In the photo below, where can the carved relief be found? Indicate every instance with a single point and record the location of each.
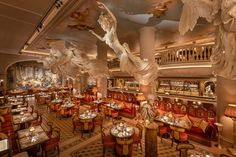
(85, 17)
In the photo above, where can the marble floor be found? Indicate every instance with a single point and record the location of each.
(73, 145)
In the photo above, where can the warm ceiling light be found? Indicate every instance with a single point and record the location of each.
(34, 52)
(185, 66)
(114, 69)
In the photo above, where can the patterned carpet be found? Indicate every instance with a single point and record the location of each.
(164, 150)
(65, 124)
(75, 146)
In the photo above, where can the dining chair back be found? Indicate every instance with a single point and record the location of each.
(178, 134)
(38, 120)
(52, 143)
(98, 121)
(138, 136)
(108, 141)
(87, 125)
(163, 130)
(76, 122)
(115, 122)
(49, 128)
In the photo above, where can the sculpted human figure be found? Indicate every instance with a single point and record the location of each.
(224, 56)
(143, 71)
(66, 59)
(221, 13)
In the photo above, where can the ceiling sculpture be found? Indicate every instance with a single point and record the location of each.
(68, 61)
(223, 15)
(162, 14)
(143, 71)
(76, 17)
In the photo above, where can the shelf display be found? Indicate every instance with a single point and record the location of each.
(188, 87)
(123, 83)
(132, 85)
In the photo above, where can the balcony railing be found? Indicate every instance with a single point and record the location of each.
(186, 54)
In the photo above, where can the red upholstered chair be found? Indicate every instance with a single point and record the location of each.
(168, 107)
(163, 130)
(56, 107)
(192, 111)
(98, 121)
(108, 141)
(113, 113)
(52, 143)
(115, 122)
(178, 134)
(7, 117)
(73, 110)
(202, 112)
(63, 112)
(124, 146)
(87, 125)
(94, 107)
(38, 121)
(49, 128)
(138, 136)
(76, 123)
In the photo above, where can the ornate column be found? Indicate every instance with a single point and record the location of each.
(147, 40)
(102, 55)
(147, 49)
(151, 140)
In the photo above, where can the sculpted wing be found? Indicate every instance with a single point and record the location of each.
(193, 9)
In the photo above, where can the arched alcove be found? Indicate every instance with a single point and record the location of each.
(30, 74)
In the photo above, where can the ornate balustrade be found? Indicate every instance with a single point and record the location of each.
(176, 55)
(186, 54)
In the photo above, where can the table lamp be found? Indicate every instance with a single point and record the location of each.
(230, 111)
(140, 97)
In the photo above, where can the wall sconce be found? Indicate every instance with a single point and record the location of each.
(176, 100)
(199, 102)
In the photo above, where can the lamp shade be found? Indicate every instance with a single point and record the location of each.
(140, 97)
(230, 111)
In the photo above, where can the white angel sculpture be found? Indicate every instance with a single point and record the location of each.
(69, 60)
(96, 68)
(222, 13)
(143, 71)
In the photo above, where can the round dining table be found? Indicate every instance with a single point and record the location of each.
(67, 105)
(88, 115)
(56, 101)
(122, 130)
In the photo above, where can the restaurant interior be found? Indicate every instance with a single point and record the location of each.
(140, 78)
